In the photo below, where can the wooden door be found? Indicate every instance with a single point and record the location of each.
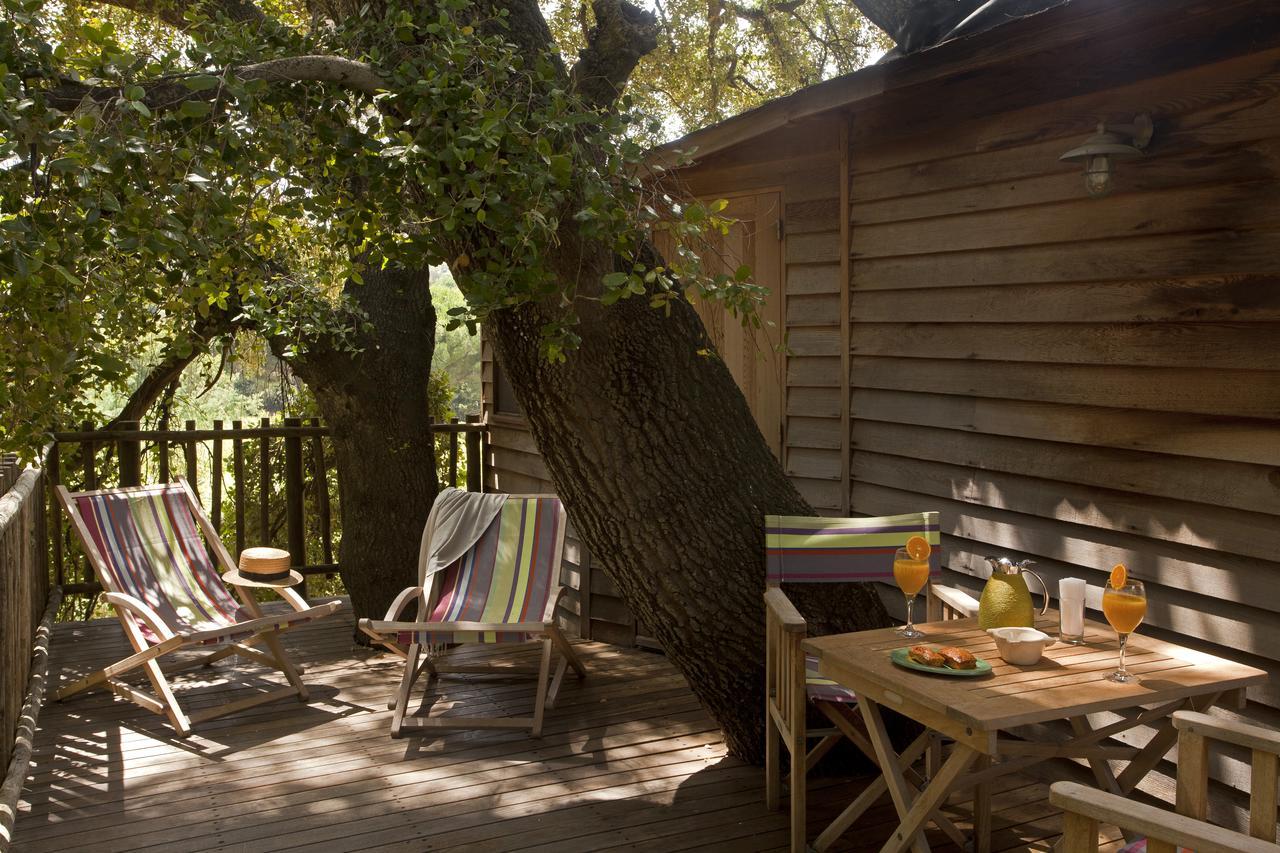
(753, 355)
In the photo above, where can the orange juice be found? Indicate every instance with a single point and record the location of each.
(1123, 611)
(911, 575)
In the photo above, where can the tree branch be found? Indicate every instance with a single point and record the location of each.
(167, 93)
(757, 15)
(174, 12)
(622, 35)
(169, 370)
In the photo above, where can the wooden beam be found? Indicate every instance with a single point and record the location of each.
(846, 285)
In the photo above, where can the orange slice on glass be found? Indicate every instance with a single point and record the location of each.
(918, 548)
(1119, 576)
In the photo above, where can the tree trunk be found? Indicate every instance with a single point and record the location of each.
(667, 478)
(376, 404)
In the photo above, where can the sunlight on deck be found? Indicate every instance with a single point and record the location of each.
(629, 761)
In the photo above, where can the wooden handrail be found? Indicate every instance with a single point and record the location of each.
(182, 435)
(274, 480)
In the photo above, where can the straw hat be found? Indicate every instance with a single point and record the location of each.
(263, 567)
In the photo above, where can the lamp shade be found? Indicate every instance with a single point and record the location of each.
(1102, 143)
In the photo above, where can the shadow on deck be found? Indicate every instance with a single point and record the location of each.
(629, 760)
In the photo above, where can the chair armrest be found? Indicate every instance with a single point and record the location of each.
(401, 601)
(1228, 731)
(784, 611)
(1150, 821)
(956, 599)
(140, 611)
(387, 626)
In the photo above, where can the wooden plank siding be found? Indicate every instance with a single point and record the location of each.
(1083, 381)
(804, 162)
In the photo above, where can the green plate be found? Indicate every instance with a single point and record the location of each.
(901, 658)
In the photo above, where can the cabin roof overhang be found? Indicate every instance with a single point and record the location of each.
(1071, 21)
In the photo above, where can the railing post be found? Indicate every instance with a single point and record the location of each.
(54, 470)
(264, 486)
(189, 457)
(87, 451)
(129, 452)
(297, 535)
(215, 479)
(475, 481)
(321, 474)
(237, 476)
(453, 454)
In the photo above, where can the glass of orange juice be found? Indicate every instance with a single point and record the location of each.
(1124, 606)
(911, 571)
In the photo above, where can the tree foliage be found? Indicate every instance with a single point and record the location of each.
(717, 58)
(148, 181)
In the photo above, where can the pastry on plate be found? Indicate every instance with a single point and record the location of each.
(958, 658)
(926, 656)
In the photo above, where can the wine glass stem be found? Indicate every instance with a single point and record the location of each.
(911, 600)
(1124, 641)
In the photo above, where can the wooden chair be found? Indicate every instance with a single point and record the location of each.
(503, 590)
(149, 547)
(1086, 807)
(802, 549)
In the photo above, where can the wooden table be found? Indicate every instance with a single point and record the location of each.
(978, 713)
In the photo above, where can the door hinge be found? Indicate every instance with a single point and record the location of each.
(781, 231)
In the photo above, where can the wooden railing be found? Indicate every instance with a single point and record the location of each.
(24, 589)
(264, 484)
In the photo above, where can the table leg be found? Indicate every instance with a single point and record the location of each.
(890, 769)
(1159, 745)
(1102, 772)
(877, 789)
(982, 810)
(962, 756)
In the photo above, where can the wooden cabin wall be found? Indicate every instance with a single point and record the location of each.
(803, 163)
(1081, 381)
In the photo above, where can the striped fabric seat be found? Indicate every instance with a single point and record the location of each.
(509, 575)
(153, 550)
(820, 688)
(803, 549)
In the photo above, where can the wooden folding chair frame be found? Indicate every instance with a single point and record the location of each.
(131, 611)
(1166, 832)
(786, 706)
(417, 661)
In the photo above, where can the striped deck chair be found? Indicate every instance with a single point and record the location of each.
(503, 590)
(149, 546)
(802, 549)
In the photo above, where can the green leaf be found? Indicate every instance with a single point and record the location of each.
(195, 109)
(561, 168)
(614, 280)
(201, 82)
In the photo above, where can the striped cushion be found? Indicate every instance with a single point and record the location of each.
(807, 549)
(509, 575)
(822, 689)
(154, 552)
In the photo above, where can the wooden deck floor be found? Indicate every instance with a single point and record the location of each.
(629, 761)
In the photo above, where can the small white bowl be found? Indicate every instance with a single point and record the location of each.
(1020, 646)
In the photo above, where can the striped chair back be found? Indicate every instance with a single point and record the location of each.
(150, 547)
(803, 549)
(511, 574)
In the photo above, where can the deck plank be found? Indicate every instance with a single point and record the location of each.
(629, 761)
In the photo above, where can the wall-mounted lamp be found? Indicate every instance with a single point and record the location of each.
(1103, 148)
